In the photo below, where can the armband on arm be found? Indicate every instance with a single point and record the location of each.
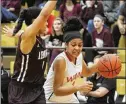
(18, 33)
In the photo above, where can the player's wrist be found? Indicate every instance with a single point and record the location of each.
(88, 93)
(77, 88)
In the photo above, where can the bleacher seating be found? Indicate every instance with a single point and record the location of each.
(121, 86)
(123, 70)
(7, 60)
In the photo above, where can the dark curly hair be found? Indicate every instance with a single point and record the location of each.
(26, 15)
(73, 24)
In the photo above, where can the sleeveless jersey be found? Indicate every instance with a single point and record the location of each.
(72, 78)
(29, 68)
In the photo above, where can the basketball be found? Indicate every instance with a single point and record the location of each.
(109, 65)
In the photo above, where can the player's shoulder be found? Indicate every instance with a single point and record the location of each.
(60, 59)
(59, 62)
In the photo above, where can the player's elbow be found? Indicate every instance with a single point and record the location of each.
(87, 73)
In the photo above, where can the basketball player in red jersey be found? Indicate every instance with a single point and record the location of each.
(65, 74)
(26, 85)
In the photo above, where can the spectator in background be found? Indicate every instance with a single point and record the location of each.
(101, 36)
(111, 8)
(119, 30)
(13, 6)
(103, 88)
(6, 16)
(69, 8)
(56, 39)
(10, 10)
(90, 9)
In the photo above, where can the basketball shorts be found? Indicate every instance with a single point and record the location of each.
(19, 93)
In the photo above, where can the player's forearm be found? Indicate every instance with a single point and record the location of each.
(94, 94)
(18, 34)
(93, 68)
(65, 90)
(41, 20)
(48, 7)
(90, 70)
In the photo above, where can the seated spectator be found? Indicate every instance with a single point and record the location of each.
(69, 8)
(10, 10)
(75, 23)
(103, 88)
(90, 9)
(56, 39)
(119, 30)
(13, 6)
(111, 8)
(101, 36)
(6, 16)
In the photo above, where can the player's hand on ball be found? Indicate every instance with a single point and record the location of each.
(86, 87)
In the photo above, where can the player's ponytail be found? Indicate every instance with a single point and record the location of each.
(20, 21)
(26, 15)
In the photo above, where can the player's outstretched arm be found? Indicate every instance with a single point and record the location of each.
(40, 21)
(29, 35)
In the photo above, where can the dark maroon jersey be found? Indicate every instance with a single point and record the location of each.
(29, 68)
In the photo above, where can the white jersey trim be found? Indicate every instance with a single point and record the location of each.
(22, 64)
(26, 67)
(22, 76)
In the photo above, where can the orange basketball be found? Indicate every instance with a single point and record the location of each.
(109, 66)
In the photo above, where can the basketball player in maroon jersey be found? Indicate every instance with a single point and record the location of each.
(26, 85)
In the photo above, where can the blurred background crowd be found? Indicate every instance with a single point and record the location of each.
(102, 23)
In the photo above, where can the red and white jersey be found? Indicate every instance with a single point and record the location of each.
(72, 78)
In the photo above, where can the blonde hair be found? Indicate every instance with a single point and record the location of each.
(62, 23)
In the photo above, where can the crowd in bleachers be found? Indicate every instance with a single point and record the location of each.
(102, 23)
(84, 10)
